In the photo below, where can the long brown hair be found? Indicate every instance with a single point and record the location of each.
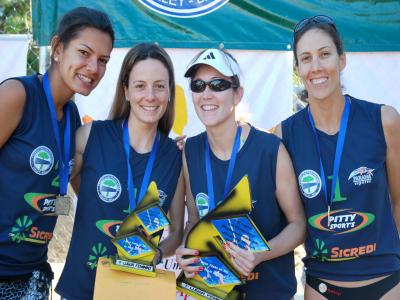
(120, 108)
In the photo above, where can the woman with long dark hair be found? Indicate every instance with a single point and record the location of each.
(37, 141)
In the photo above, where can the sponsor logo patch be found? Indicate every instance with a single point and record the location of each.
(341, 221)
(23, 231)
(336, 253)
(362, 175)
(41, 160)
(310, 183)
(108, 188)
(109, 227)
(184, 8)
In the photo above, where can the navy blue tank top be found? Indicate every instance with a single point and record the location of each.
(361, 239)
(29, 183)
(257, 159)
(103, 201)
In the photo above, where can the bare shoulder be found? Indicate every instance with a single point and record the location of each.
(12, 102)
(12, 94)
(390, 116)
(82, 136)
(278, 130)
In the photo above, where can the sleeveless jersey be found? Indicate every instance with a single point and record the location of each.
(361, 239)
(257, 158)
(103, 201)
(29, 183)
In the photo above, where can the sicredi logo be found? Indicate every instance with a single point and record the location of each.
(184, 8)
(108, 188)
(41, 160)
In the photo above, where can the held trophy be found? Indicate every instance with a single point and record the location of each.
(138, 237)
(228, 222)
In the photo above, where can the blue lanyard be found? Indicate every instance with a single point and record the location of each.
(63, 165)
(210, 185)
(338, 152)
(133, 201)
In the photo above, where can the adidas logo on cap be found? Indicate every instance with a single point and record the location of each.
(209, 56)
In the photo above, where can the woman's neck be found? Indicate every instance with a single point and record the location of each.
(327, 113)
(221, 139)
(141, 135)
(60, 93)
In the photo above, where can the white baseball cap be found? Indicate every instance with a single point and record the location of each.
(217, 59)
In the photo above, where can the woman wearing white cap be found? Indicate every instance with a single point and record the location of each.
(224, 153)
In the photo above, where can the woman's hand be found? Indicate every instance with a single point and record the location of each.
(243, 260)
(180, 141)
(186, 263)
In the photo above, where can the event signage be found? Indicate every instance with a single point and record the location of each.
(183, 8)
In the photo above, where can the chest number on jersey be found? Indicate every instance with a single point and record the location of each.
(56, 180)
(338, 197)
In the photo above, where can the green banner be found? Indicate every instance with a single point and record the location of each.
(238, 24)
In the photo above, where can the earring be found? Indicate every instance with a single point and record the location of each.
(126, 99)
(56, 59)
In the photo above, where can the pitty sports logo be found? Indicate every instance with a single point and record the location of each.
(184, 8)
(310, 183)
(108, 188)
(341, 221)
(362, 175)
(43, 203)
(41, 160)
(202, 204)
(109, 227)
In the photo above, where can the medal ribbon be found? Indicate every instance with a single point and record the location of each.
(63, 165)
(133, 201)
(338, 152)
(210, 186)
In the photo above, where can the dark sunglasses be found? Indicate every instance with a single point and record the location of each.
(216, 85)
(319, 19)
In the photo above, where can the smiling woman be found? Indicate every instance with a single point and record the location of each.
(125, 153)
(346, 156)
(216, 160)
(37, 136)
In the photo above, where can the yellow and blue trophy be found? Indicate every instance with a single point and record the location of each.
(228, 222)
(139, 234)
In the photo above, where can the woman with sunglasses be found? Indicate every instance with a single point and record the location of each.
(117, 159)
(37, 137)
(228, 149)
(346, 155)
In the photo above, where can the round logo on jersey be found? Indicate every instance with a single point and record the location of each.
(41, 160)
(183, 9)
(163, 197)
(202, 204)
(322, 287)
(310, 183)
(108, 188)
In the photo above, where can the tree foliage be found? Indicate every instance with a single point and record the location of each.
(15, 17)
